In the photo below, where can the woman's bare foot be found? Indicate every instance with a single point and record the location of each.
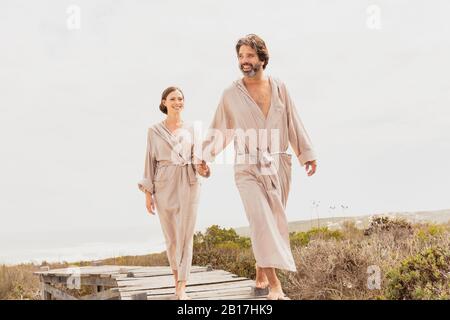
(261, 281)
(183, 296)
(181, 291)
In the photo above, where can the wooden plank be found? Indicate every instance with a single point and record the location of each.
(164, 282)
(88, 270)
(139, 296)
(107, 269)
(103, 295)
(88, 281)
(139, 282)
(195, 288)
(154, 273)
(146, 289)
(57, 293)
(164, 278)
(208, 294)
(207, 287)
(210, 287)
(45, 295)
(207, 290)
(156, 277)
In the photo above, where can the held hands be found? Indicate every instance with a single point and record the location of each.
(311, 167)
(150, 203)
(203, 169)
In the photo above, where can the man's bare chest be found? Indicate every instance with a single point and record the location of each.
(262, 97)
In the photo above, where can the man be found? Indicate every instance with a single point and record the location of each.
(258, 113)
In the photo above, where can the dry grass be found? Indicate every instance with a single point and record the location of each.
(330, 266)
(339, 269)
(18, 282)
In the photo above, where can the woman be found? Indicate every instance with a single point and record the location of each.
(171, 184)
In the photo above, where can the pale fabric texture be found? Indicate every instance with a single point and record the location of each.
(263, 191)
(170, 176)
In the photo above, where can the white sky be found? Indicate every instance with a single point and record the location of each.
(75, 106)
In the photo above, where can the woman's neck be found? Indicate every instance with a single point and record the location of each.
(174, 119)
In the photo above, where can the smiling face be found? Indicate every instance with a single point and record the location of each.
(174, 102)
(249, 62)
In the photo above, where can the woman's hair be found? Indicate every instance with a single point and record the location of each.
(257, 44)
(164, 95)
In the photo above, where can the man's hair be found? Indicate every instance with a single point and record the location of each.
(257, 44)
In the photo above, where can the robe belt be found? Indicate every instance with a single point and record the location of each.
(269, 174)
(190, 168)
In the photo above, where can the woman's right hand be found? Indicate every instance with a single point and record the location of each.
(150, 203)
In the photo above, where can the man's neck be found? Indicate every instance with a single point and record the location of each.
(257, 79)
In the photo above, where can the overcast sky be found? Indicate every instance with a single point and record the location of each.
(370, 80)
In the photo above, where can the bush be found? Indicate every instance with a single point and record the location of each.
(423, 276)
(216, 237)
(428, 232)
(224, 249)
(238, 261)
(397, 226)
(299, 239)
(18, 282)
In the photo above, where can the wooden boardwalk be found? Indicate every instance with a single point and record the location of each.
(143, 283)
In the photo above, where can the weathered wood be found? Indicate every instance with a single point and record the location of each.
(206, 287)
(248, 284)
(230, 292)
(142, 283)
(85, 281)
(103, 295)
(260, 291)
(45, 295)
(88, 270)
(140, 290)
(169, 277)
(57, 294)
(192, 282)
(156, 273)
(139, 296)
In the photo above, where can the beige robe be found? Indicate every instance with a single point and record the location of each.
(170, 176)
(263, 188)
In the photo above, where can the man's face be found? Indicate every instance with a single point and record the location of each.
(249, 62)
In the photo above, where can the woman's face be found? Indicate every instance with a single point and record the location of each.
(174, 102)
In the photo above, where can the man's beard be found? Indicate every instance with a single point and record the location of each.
(253, 69)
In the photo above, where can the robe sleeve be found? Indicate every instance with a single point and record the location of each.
(220, 132)
(196, 149)
(146, 183)
(298, 137)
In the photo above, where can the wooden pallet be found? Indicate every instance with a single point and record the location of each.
(144, 283)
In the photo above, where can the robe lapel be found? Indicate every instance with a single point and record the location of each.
(170, 139)
(252, 107)
(277, 107)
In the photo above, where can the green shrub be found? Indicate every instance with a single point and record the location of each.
(429, 231)
(235, 260)
(216, 237)
(422, 276)
(299, 239)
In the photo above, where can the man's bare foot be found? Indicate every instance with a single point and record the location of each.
(261, 281)
(277, 294)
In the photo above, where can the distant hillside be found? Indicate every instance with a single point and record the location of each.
(439, 216)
